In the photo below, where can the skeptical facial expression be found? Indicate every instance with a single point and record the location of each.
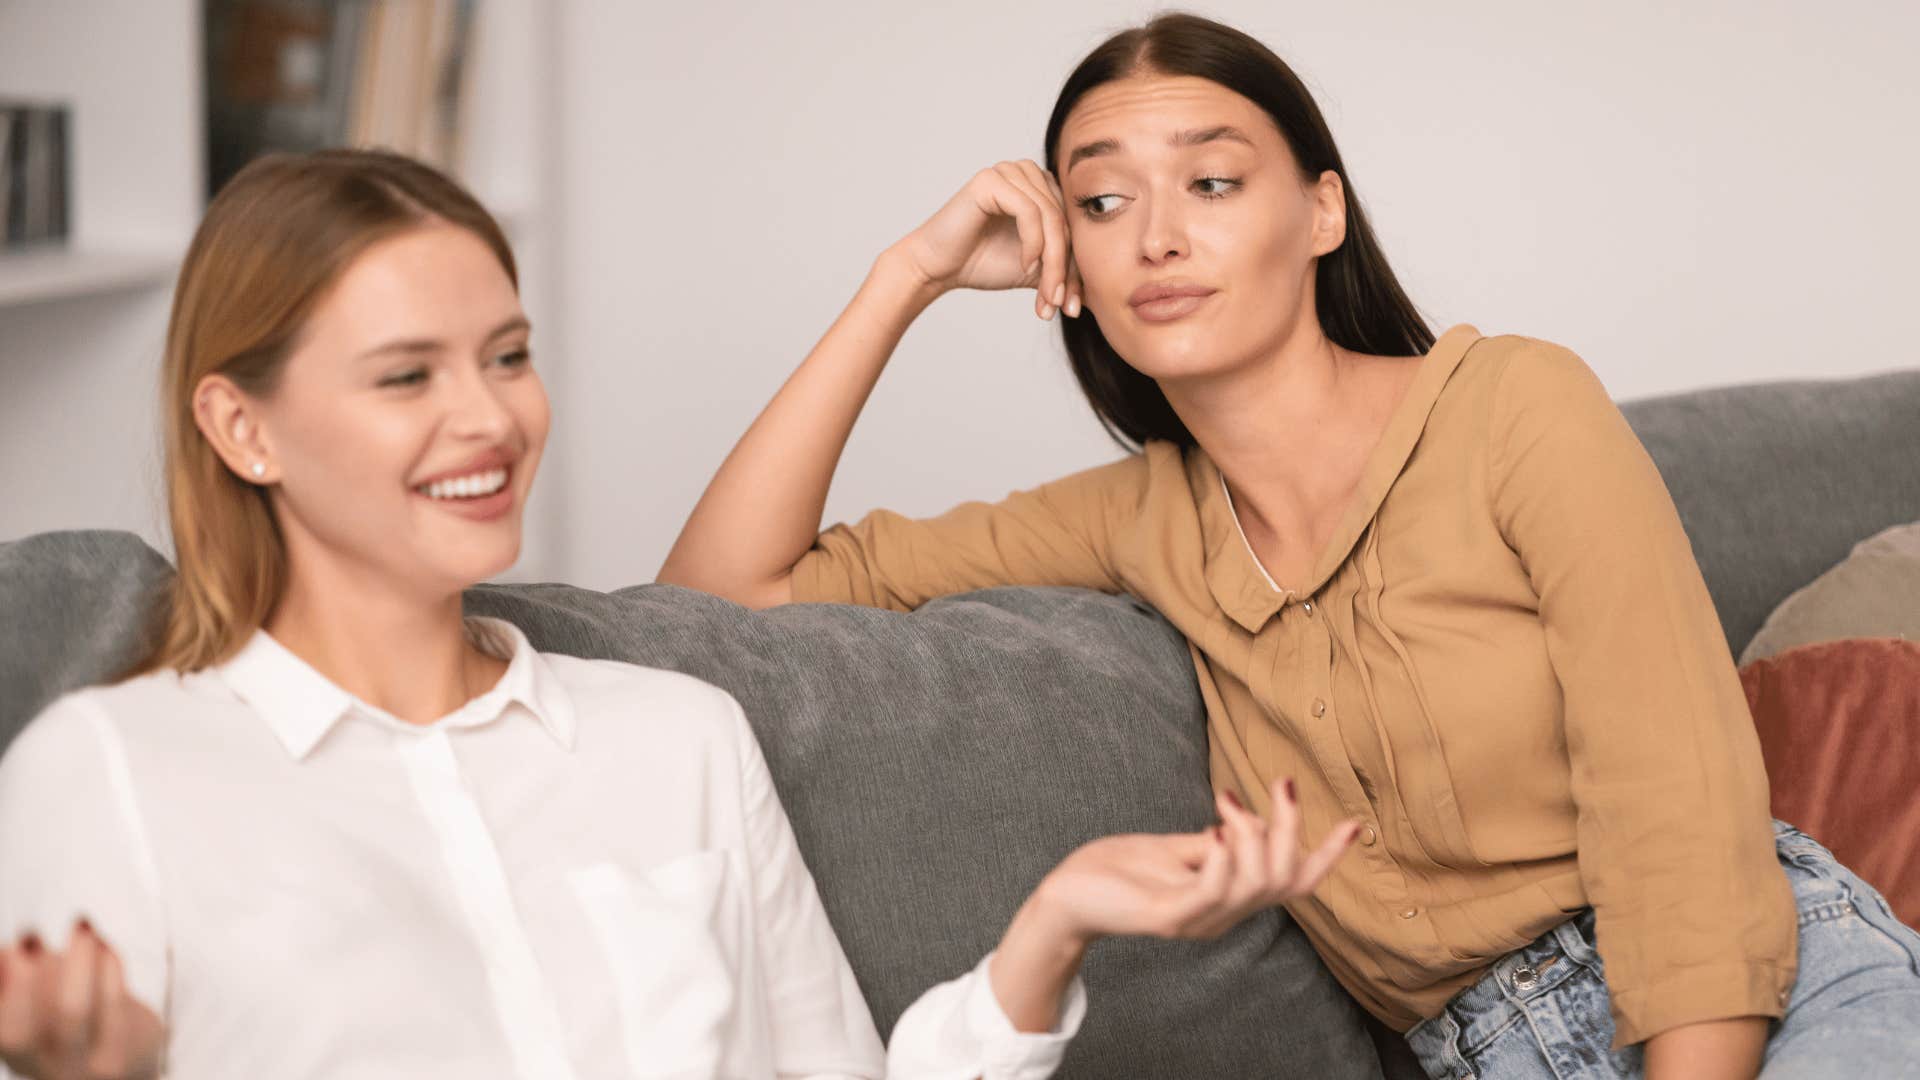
(1193, 229)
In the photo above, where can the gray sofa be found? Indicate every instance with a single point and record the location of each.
(937, 764)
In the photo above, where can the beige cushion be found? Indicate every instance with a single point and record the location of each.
(1874, 592)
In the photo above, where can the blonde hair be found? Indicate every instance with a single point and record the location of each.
(273, 242)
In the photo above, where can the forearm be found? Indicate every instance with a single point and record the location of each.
(761, 511)
(1033, 967)
(1711, 1050)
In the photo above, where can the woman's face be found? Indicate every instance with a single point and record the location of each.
(1193, 229)
(408, 422)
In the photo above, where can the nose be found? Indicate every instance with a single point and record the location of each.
(1163, 232)
(474, 408)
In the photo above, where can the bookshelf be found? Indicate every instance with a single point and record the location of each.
(82, 327)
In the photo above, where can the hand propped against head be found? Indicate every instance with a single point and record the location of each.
(1006, 229)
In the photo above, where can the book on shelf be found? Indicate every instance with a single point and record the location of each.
(307, 74)
(35, 149)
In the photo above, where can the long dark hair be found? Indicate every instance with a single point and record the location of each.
(1360, 303)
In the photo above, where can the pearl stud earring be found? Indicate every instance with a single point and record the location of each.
(259, 470)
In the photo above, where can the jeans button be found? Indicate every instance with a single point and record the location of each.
(1525, 978)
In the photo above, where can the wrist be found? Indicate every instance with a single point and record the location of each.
(896, 273)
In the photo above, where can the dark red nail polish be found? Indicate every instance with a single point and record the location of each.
(84, 926)
(1235, 800)
(30, 945)
(1290, 795)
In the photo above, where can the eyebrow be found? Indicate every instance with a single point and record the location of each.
(429, 345)
(1192, 137)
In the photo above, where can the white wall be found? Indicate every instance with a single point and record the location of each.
(79, 446)
(1687, 194)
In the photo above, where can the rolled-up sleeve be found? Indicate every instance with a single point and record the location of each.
(1056, 534)
(1695, 917)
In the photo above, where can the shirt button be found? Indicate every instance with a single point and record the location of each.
(1307, 606)
(1409, 913)
(1368, 837)
(1319, 707)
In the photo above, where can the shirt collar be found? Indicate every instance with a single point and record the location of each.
(1234, 576)
(301, 705)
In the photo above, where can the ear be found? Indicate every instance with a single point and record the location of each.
(1329, 213)
(231, 421)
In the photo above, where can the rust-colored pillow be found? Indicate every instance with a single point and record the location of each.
(1839, 727)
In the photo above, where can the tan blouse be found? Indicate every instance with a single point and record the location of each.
(1505, 664)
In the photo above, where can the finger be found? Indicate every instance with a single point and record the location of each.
(21, 995)
(1209, 888)
(1076, 289)
(1283, 833)
(1053, 230)
(1060, 240)
(1320, 863)
(112, 1009)
(1248, 835)
(1010, 199)
(73, 992)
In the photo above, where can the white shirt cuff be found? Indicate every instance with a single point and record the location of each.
(1008, 1054)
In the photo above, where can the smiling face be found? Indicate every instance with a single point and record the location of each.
(1194, 232)
(404, 432)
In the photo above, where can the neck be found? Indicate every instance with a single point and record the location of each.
(396, 650)
(1256, 419)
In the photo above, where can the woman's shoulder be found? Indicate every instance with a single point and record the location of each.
(1514, 366)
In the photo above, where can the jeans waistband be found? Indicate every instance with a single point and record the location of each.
(1484, 1008)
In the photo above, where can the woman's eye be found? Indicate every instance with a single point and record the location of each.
(409, 377)
(518, 358)
(1096, 206)
(1214, 187)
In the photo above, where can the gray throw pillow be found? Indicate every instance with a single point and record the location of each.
(1874, 592)
(935, 766)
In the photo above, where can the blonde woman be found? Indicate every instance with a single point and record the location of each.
(331, 828)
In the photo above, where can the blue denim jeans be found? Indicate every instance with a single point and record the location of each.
(1854, 1013)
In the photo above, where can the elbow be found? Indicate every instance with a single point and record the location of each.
(748, 593)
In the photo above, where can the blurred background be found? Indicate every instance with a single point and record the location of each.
(1689, 196)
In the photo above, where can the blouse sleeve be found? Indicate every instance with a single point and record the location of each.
(819, 1020)
(1057, 534)
(72, 844)
(1695, 918)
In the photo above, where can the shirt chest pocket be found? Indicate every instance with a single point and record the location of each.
(677, 942)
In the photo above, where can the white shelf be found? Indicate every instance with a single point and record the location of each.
(28, 277)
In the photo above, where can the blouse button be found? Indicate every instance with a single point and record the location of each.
(1307, 606)
(1319, 707)
(1368, 837)
(1409, 913)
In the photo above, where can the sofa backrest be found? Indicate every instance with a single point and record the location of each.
(1776, 482)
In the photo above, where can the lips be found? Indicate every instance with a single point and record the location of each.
(1166, 301)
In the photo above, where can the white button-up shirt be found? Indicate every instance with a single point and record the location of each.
(583, 872)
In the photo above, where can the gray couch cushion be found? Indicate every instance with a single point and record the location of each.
(935, 765)
(1775, 483)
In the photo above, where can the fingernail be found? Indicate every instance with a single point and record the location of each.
(30, 945)
(1234, 799)
(1290, 795)
(1046, 312)
(1073, 307)
(1060, 294)
(84, 925)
